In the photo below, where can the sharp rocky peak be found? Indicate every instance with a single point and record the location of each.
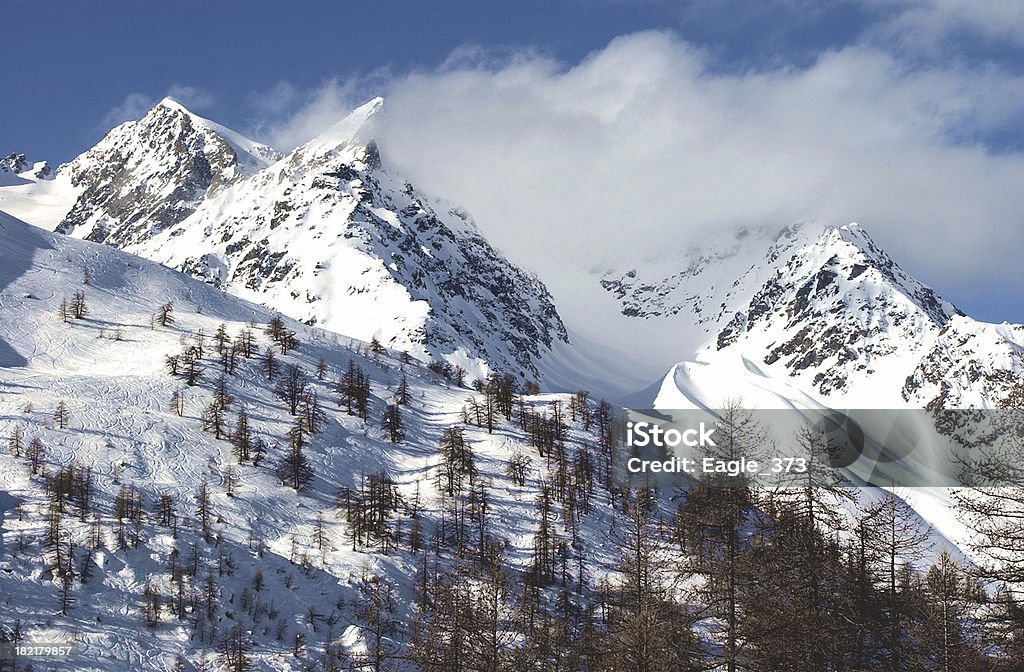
(149, 174)
(15, 168)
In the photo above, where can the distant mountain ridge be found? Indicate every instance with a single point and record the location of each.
(16, 169)
(330, 235)
(828, 313)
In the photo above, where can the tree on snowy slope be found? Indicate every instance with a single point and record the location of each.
(945, 634)
(392, 423)
(993, 504)
(648, 630)
(165, 314)
(294, 469)
(898, 541)
(728, 503)
(292, 387)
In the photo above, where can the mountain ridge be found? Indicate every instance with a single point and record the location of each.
(325, 234)
(827, 312)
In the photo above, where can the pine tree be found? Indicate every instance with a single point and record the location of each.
(177, 402)
(275, 328)
(78, 306)
(292, 388)
(150, 606)
(34, 453)
(229, 475)
(221, 396)
(897, 539)
(947, 637)
(214, 419)
(739, 434)
(191, 365)
(247, 343)
(992, 504)
(354, 388)
(269, 363)
(234, 650)
(65, 312)
(402, 393)
(820, 488)
(167, 511)
(294, 469)
(457, 462)
(204, 511)
(165, 314)
(16, 441)
(61, 415)
(545, 540)
(648, 629)
(312, 414)
(518, 465)
(67, 597)
(221, 338)
(376, 614)
(392, 423)
(241, 438)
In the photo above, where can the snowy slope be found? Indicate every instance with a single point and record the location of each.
(109, 369)
(33, 192)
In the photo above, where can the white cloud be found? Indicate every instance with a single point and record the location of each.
(191, 97)
(643, 145)
(926, 24)
(134, 106)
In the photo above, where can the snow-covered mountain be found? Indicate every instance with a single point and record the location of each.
(798, 317)
(146, 175)
(326, 235)
(817, 316)
(332, 237)
(16, 169)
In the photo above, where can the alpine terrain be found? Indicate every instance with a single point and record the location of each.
(326, 235)
(818, 317)
(285, 411)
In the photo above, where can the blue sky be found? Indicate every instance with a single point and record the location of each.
(900, 114)
(87, 57)
(77, 61)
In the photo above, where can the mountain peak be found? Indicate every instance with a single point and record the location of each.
(171, 104)
(153, 172)
(351, 129)
(851, 247)
(16, 169)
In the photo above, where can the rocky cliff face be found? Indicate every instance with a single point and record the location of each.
(148, 174)
(16, 169)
